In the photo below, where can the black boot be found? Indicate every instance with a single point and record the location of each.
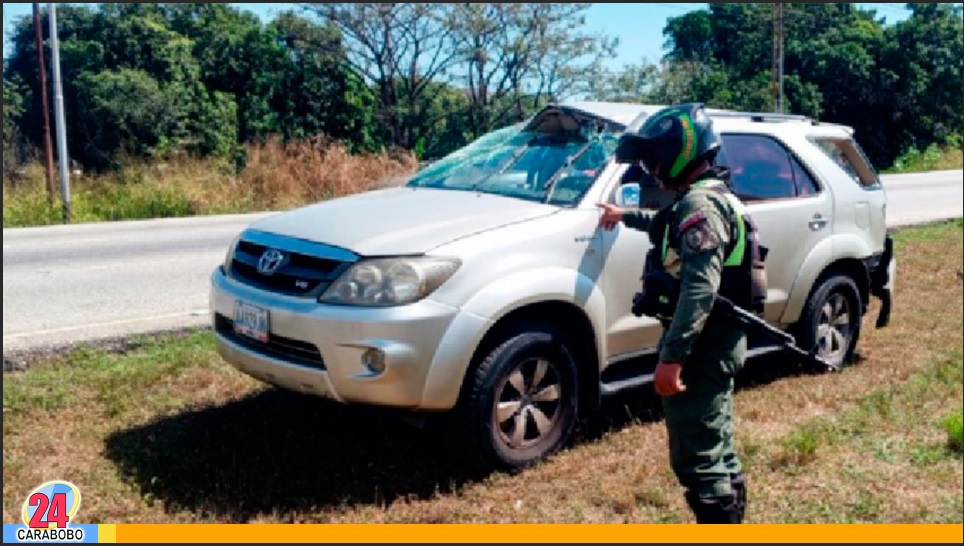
(738, 484)
(715, 510)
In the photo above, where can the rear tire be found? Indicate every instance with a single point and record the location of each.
(521, 403)
(831, 320)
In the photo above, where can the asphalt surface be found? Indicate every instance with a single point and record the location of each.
(916, 198)
(65, 284)
(79, 283)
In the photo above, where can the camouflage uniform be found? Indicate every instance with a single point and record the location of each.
(711, 349)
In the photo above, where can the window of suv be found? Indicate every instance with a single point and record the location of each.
(761, 169)
(848, 155)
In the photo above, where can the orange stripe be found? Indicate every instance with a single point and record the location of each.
(569, 533)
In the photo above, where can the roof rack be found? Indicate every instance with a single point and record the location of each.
(760, 117)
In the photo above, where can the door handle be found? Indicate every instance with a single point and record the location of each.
(818, 222)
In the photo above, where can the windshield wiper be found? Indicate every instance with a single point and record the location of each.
(512, 161)
(551, 183)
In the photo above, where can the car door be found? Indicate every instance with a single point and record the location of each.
(794, 214)
(624, 254)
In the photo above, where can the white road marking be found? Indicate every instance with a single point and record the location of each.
(64, 242)
(195, 313)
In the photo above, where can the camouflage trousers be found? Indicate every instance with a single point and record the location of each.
(699, 420)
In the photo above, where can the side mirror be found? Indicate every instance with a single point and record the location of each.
(628, 196)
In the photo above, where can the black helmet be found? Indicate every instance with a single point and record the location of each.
(671, 142)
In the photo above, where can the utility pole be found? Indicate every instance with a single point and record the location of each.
(59, 112)
(780, 23)
(777, 66)
(48, 146)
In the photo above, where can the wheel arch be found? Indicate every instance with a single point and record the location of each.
(574, 325)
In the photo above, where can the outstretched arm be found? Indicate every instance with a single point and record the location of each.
(633, 219)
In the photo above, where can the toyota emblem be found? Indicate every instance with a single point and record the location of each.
(271, 261)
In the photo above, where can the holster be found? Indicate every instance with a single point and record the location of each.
(659, 295)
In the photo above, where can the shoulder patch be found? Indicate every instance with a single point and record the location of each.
(698, 236)
(690, 221)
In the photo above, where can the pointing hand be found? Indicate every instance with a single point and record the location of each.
(611, 216)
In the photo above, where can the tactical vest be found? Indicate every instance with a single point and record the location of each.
(743, 280)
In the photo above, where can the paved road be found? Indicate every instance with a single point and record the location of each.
(915, 198)
(63, 284)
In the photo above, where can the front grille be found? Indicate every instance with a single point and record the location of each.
(301, 274)
(289, 350)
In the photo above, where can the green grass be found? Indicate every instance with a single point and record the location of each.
(104, 377)
(276, 177)
(891, 435)
(954, 425)
(133, 193)
(903, 238)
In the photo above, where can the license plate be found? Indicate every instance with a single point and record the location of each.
(251, 321)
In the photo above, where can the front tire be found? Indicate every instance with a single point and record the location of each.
(832, 319)
(522, 403)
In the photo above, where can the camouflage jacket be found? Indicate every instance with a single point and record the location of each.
(694, 251)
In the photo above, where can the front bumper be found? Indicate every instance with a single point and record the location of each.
(318, 349)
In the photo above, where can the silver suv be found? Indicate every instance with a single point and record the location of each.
(484, 290)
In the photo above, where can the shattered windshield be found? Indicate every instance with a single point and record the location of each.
(550, 167)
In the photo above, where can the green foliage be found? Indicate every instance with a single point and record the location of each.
(150, 80)
(933, 158)
(899, 86)
(13, 108)
(954, 425)
(122, 199)
(125, 112)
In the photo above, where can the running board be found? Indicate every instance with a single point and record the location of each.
(610, 388)
(616, 387)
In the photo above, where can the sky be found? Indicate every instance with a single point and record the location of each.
(638, 26)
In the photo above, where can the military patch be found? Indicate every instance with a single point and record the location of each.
(698, 237)
(690, 221)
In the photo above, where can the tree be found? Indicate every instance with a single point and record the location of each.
(151, 79)
(898, 86)
(399, 49)
(631, 83)
(316, 93)
(925, 55)
(13, 109)
(516, 57)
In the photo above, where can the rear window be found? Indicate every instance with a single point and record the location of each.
(846, 153)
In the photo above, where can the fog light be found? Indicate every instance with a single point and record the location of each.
(374, 360)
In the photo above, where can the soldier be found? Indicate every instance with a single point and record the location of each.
(700, 352)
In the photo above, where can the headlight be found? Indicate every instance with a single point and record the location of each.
(385, 282)
(229, 255)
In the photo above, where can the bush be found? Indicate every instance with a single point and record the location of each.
(276, 176)
(954, 425)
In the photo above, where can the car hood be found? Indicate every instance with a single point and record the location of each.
(401, 220)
